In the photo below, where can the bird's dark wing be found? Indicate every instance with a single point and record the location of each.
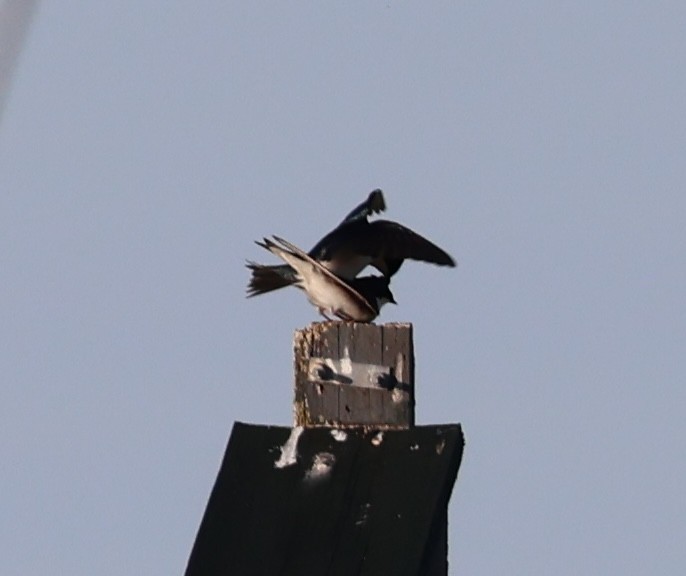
(374, 204)
(336, 242)
(389, 243)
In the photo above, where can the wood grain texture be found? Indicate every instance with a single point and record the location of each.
(365, 375)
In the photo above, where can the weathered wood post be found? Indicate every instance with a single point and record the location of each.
(353, 488)
(349, 374)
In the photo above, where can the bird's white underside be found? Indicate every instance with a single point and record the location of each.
(330, 298)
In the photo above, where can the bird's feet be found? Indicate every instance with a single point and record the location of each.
(323, 311)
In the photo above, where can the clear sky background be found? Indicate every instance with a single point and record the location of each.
(145, 145)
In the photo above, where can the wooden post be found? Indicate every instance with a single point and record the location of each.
(367, 495)
(351, 374)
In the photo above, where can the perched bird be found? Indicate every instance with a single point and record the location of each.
(354, 244)
(357, 300)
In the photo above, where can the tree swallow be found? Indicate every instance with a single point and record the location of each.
(354, 244)
(356, 300)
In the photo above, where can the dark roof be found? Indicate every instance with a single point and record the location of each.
(317, 501)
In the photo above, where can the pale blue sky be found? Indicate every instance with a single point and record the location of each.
(145, 145)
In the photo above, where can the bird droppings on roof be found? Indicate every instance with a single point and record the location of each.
(289, 451)
(339, 435)
(322, 464)
(414, 447)
(363, 514)
(346, 365)
(377, 439)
